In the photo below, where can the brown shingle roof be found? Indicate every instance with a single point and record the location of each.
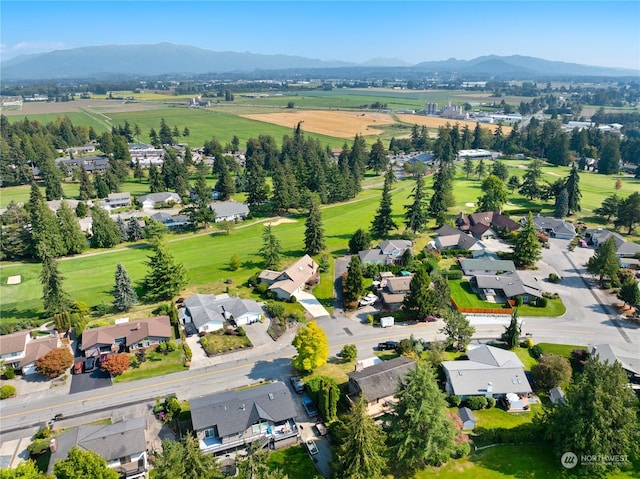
(38, 348)
(132, 331)
(14, 343)
(296, 275)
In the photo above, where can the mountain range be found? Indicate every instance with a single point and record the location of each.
(170, 59)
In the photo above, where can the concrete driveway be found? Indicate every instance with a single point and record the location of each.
(312, 305)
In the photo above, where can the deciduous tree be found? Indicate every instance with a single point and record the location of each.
(420, 431)
(360, 241)
(495, 194)
(552, 370)
(55, 362)
(458, 329)
(83, 463)
(312, 346)
(609, 207)
(116, 364)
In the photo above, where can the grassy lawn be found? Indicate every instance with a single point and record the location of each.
(525, 357)
(214, 343)
(496, 417)
(554, 308)
(294, 462)
(560, 349)
(464, 296)
(335, 369)
(157, 364)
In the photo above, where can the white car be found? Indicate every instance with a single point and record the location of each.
(311, 446)
(368, 300)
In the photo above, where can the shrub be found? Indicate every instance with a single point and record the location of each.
(491, 402)
(349, 352)
(101, 309)
(369, 318)
(552, 370)
(43, 433)
(241, 331)
(116, 364)
(554, 278)
(38, 447)
(462, 449)
(275, 310)
(261, 288)
(454, 274)
(7, 391)
(454, 401)
(528, 343)
(542, 302)
(518, 300)
(476, 402)
(293, 299)
(536, 351)
(55, 362)
(187, 351)
(9, 372)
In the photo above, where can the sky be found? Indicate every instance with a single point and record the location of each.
(601, 33)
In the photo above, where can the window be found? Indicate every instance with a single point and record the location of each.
(210, 432)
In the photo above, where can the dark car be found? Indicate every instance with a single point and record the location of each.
(58, 417)
(297, 384)
(89, 364)
(429, 319)
(388, 345)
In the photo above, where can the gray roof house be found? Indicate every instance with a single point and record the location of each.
(553, 227)
(209, 312)
(489, 371)
(624, 248)
(387, 252)
(508, 285)
(459, 240)
(122, 444)
(230, 420)
(229, 210)
(630, 361)
(171, 221)
(467, 418)
(163, 198)
(472, 266)
(293, 279)
(380, 381)
(117, 200)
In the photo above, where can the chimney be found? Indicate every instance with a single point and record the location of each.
(53, 444)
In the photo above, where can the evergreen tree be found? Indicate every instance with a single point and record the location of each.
(500, 170)
(15, 237)
(134, 231)
(102, 188)
(164, 134)
(156, 185)
(138, 172)
(604, 262)
(512, 332)
(495, 194)
(87, 190)
(360, 241)
(314, 232)
(629, 212)
(442, 290)
(629, 291)
(52, 180)
(609, 162)
(185, 460)
(383, 222)
(378, 158)
(124, 296)
(361, 454)
(420, 431)
(561, 208)
(609, 207)
(54, 298)
(481, 169)
(457, 328)
(257, 189)
(104, 231)
(530, 186)
(526, 247)
(271, 249)
(514, 183)
(165, 278)
(225, 185)
(416, 213)
(421, 300)
(442, 196)
(45, 230)
(75, 242)
(468, 167)
(352, 283)
(599, 418)
(573, 190)
(123, 228)
(81, 210)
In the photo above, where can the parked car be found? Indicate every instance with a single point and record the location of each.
(429, 319)
(89, 364)
(58, 417)
(309, 407)
(77, 367)
(368, 300)
(388, 345)
(298, 385)
(311, 446)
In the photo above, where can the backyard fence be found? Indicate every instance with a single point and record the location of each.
(505, 311)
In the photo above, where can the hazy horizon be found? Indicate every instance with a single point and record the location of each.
(596, 33)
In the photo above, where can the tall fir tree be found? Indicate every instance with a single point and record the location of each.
(530, 186)
(352, 283)
(271, 249)
(134, 230)
(421, 300)
(383, 222)
(628, 215)
(104, 231)
(511, 335)
(156, 185)
(165, 278)
(561, 208)
(361, 453)
(123, 228)
(420, 431)
(604, 263)
(573, 190)
(54, 299)
(75, 242)
(378, 158)
(416, 213)
(314, 232)
(52, 179)
(526, 247)
(87, 190)
(124, 295)
(225, 185)
(45, 230)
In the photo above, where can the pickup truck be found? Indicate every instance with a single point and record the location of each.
(309, 407)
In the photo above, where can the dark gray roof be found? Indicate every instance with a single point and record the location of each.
(229, 208)
(556, 395)
(556, 225)
(234, 411)
(111, 441)
(202, 309)
(389, 246)
(487, 264)
(381, 380)
(466, 414)
(160, 197)
(372, 255)
(608, 352)
(512, 284)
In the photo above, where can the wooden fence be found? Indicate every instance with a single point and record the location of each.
(505, 311)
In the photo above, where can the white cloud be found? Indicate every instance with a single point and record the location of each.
(9, 51)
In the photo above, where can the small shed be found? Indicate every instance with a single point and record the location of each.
(386, 322)
(468, 419)
(556, 396)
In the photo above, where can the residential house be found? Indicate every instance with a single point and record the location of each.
(292, 280)
(630, 361)
(36, 349)
(117, 200)
(554, 228)
(467, 418)
(230, 420)
(171, 221)
(489, 371)
(379, 382)
(54, 205)
(395, 290)
(229, 210)
(624, 248)
(162, 199)
(146, 155)
(491, 220)
(13, 347)
(126, 336)
(91, 164)
(122, 444)
(387, 252)
(81, 150)
(458, 240)
(473, 266)
(507, 286)
(208, 312)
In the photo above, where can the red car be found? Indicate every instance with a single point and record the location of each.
(77, 367)
(430, 319)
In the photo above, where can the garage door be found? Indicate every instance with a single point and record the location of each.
(29, 370)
